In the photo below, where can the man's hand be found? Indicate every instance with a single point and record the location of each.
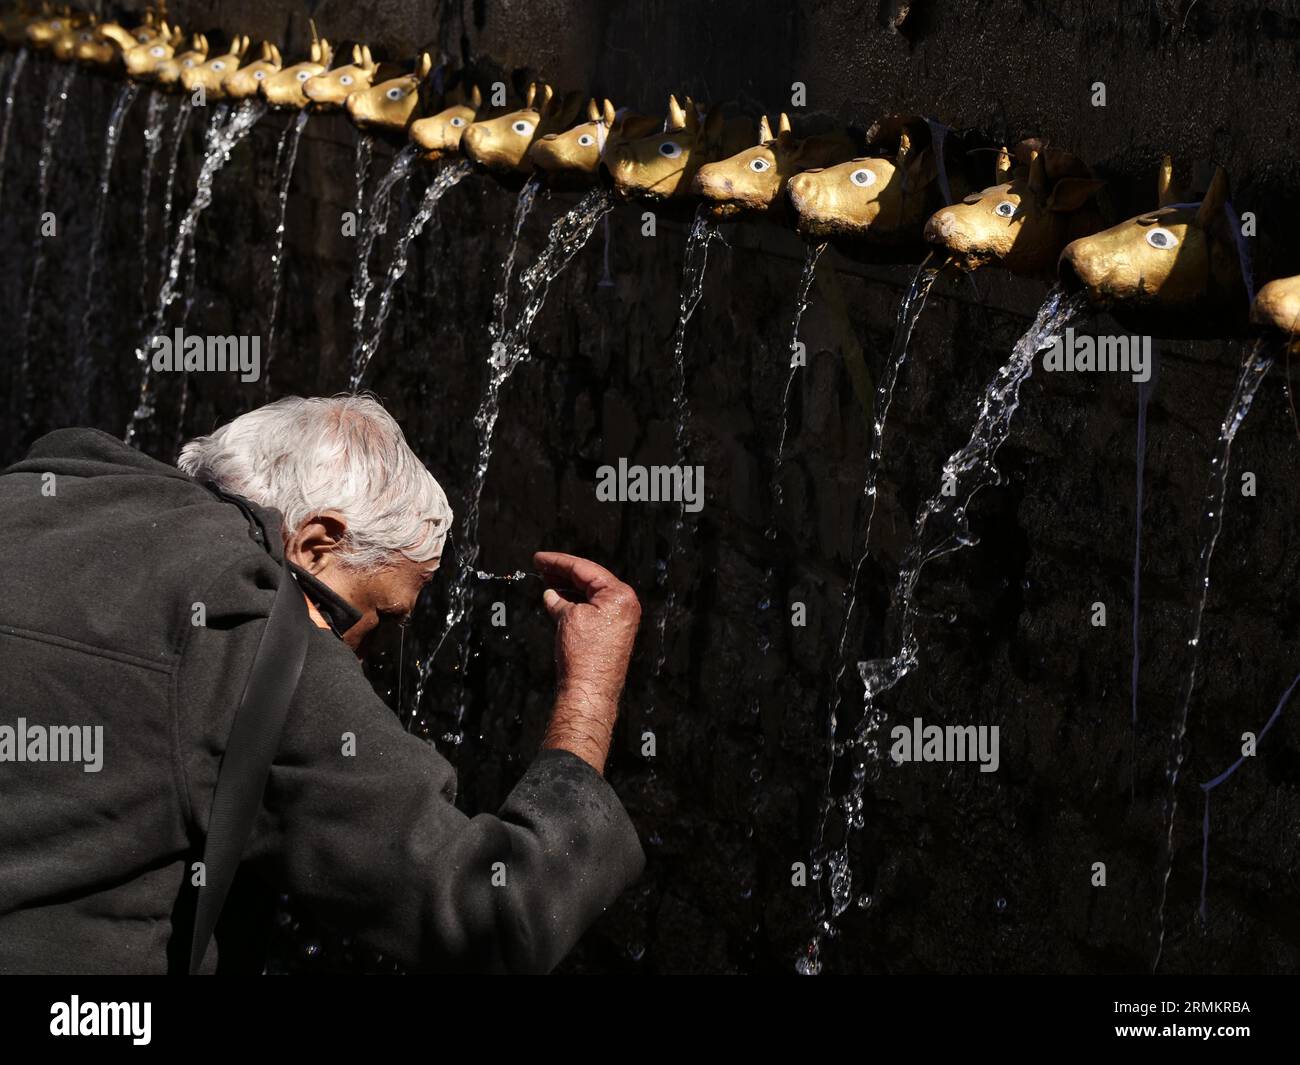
(593, 644)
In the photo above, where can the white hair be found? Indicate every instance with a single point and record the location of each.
(346, 455)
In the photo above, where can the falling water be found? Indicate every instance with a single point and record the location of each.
(56, 101)
(153, 129)
(369, 228)
(1145, 389)
(523, 207)
(1253, 371)
(940, 529)
(181, 123)
(15, 72)
(222, 138)
(811, 258)
(448, 178)
(125, 98)
(286, 157)
(568, 235)
(1223, 777)
(364, 153)
(695, 262)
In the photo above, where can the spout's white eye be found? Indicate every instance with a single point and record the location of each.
(586, 140)
(522, 127)
(303, 75)
(143, 38)
(759, 165)
(217, 64)
(394, 94)
(87, 37)
(157, 51)
(188, 63)
(1161, 238)
(670, 149)
(458, 121)
(345, 79)
(56, 25)
(1005, 209)
(863, 178)
(259, 74)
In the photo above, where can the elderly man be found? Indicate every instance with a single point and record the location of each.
(162, 629)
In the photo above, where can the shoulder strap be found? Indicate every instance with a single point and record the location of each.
(254, 738)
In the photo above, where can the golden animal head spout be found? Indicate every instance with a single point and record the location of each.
(1176, 270)
(1277, 309)
(574, 155)
(285, 87)
(501, 144)
(392, 104)
(43, 33)
(76, 29)
(663, 164)
(879, 201)
(329, 91)
(245, 82)
(1036, 206)
(753, 182)
(440, 134)
(168, 73)
(113, 40)
(211, 74)
(143, 60)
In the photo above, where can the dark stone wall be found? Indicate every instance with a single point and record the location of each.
(965, 872)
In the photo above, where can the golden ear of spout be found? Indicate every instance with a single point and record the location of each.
(593, 110)
(423, 66)
(475, 98)
(1002, 167)
(764, 130)
(1215, 198)
(610, 114)
(1165, 194)
(675, 121)
(1037, 173)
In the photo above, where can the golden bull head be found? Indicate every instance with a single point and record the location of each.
(330, 90)
(145, 57)
(1025, 218)
(501, 143)
(76, 28)
(43, 33)
(575, 154)
(392, 103)
(663, 164)
(754, 181)
(440, 134)
(210, 75)
(881, 200)
(109, 42)
(244, 83)
(285, 87)
(1277, 308)
(1176, 269)
(167, 75)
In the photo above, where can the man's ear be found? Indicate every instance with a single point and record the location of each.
(316, 543)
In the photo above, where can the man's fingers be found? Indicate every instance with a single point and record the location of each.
(580, 573)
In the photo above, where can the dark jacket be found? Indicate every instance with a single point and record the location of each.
(100, 576)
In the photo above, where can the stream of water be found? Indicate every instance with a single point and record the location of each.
(286, 158)
(694, 264)
(941, 528)
(125, 98)
(19, 61)
(225, 132)
(155, 118)
(56, 102)
(1253, 371)
(371, 225)
(567, 236)
(447, 179)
